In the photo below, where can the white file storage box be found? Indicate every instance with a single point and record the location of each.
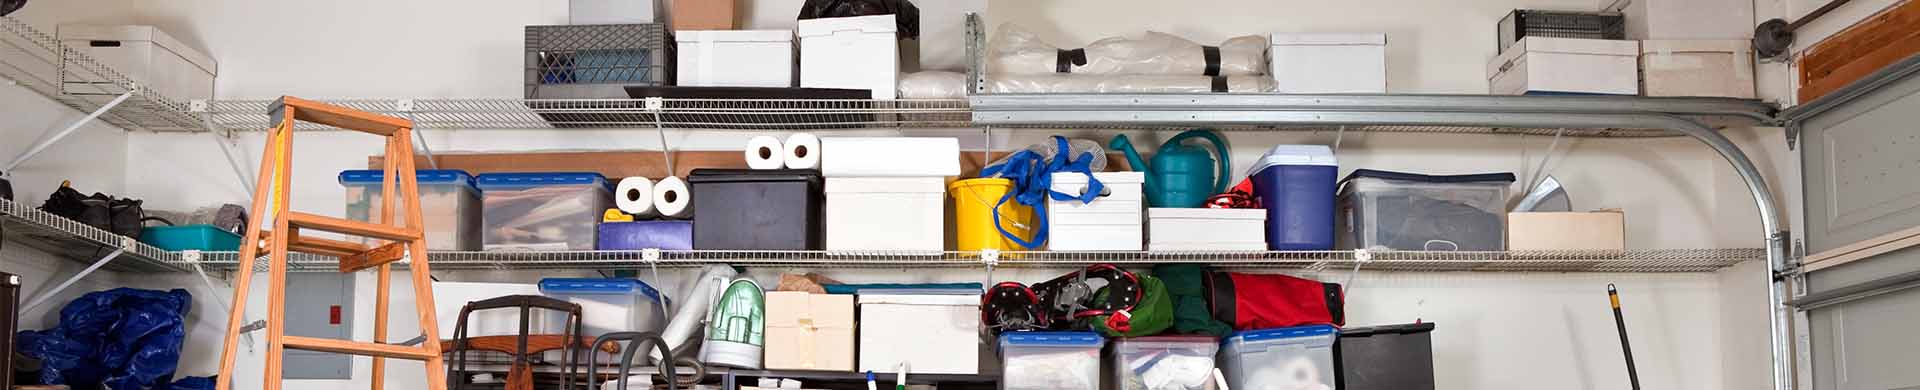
(735, 58)
(933, 334)
(889, 156)
(1329, 63)
(860, 52)
(1540, 65)
(1713, 68)
(144, 54)
(1190, 229)
(1111, 222)
(886, 213)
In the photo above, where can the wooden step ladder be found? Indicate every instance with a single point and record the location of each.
(285, 236)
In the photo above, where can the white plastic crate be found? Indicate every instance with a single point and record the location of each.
(885, 213)
(1111, 222)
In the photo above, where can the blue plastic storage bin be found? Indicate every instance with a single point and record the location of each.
(610, 304)
(1259, 359)
(1296, 184)
(542, 211)
(1050, 360)
(449, 203)
(665, 235)
(190, 237)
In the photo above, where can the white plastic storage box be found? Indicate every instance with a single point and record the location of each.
(542, 211)
(1329, 63)
(734, 58)
(1111, 222)
(1050, 360)
(1163, 363)
(583, 12)
(607, 306)
(450, 297)
(143, 54)
(1282, 358)
(936, 334)
(1540, 65)
(889, 156)
(1409, 211)
(449, 203)
(886, 213)
(861, 52)
(1189, 229)
(1713, 68)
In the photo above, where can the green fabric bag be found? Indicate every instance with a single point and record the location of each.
(1154, 313)
(1186, 286)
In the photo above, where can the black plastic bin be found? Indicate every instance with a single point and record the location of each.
(1388, 357)
(741, 209)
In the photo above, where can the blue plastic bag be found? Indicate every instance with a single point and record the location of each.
(119, 339)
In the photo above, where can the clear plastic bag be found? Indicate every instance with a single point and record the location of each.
(1017, 51)
(1144, 83)
(933, 85)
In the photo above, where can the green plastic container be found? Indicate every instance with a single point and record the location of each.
(190, 237)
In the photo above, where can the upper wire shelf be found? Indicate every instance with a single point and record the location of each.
(78, 242)
(37, 61)
(722, 114)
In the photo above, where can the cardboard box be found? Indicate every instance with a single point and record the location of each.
(1540, 65)
(1329, 63)
(933, 334)
(1713, 68)
(143, 54)
(860, 52)
(1597, 230)
(736, 58)
(1684, 19)
(702, 15)
(809, 331)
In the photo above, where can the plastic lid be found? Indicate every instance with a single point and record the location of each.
(1470, 178)
(1053, 339)
(1318, 155)
(1284, 333)
(1387, 329)
(536, 179)
(597, 286)
(695, 36)
(426, 176)
(1166, 340)
(713, 175)
(861, 24)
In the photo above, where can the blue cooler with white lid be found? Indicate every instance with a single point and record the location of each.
(1050, 360)
(557, 211)
(1299, 357)
(1296, 184)
(449, 204)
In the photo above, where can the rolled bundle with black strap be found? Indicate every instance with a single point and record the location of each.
(1086, 83)
(1015, 51)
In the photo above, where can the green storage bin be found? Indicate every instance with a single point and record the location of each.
(190, 237)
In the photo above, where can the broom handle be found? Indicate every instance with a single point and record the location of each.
(1620, 322)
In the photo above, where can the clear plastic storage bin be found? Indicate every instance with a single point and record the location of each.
(1282, 358)
(1050, 360)
(449, 203)
(543, 211)
(1164, 363)
(1408, 211)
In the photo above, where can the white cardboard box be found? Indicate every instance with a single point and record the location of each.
(1599, 230)
(1329, 63)
(1112, 222)
(734, 58)
(1716, 68)
(1197, 229)
(860, 52)
(580, 12)
(144, 54)
(809, 331)
(1539, 65)
(886, 213)
(933, 334)
(889, 156)
(1685, 19)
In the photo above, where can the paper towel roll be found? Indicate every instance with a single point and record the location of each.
(764, 152)
(634, 195)
(803, 151)
(672, 199)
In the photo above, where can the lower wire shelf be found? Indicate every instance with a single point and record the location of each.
(1639, 261)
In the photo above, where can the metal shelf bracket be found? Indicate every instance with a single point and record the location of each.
(64, 132)
(38, 300)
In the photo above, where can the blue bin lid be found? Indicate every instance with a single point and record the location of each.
(1053, 339)
(1257, 335)
(424, 176)
(597, 286)
(490, 181)
(1503, 177)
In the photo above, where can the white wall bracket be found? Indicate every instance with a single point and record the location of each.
(63, 133)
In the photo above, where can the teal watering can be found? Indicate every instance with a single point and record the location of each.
(1181, 175)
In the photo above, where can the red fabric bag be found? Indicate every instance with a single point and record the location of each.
(1261, 301)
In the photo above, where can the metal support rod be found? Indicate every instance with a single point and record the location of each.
(421, 141)
(227, 150)
(42, 146)
(225, 305)
(70, 280)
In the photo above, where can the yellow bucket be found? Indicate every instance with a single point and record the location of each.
(973, 202)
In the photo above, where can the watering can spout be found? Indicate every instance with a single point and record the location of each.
(1120, 143)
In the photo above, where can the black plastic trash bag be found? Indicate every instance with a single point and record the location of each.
(8, 6)
(120, 339)
(906, 16)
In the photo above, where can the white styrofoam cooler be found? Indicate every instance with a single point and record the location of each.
(449, 297)
(861, 52)
(1716, 68)
(144, 54)
(734, 58)
(1193, 229)
(886, 213)
(1540, 65)
(1329, 63)
(1111, 222)
(934, 334)
(889, 156)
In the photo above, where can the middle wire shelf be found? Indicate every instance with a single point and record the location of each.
(1639, 261)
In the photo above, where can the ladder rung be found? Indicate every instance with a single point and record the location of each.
(337, 116)
(354, 228)
(356, 348)
(318, 246)
(370, 258)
